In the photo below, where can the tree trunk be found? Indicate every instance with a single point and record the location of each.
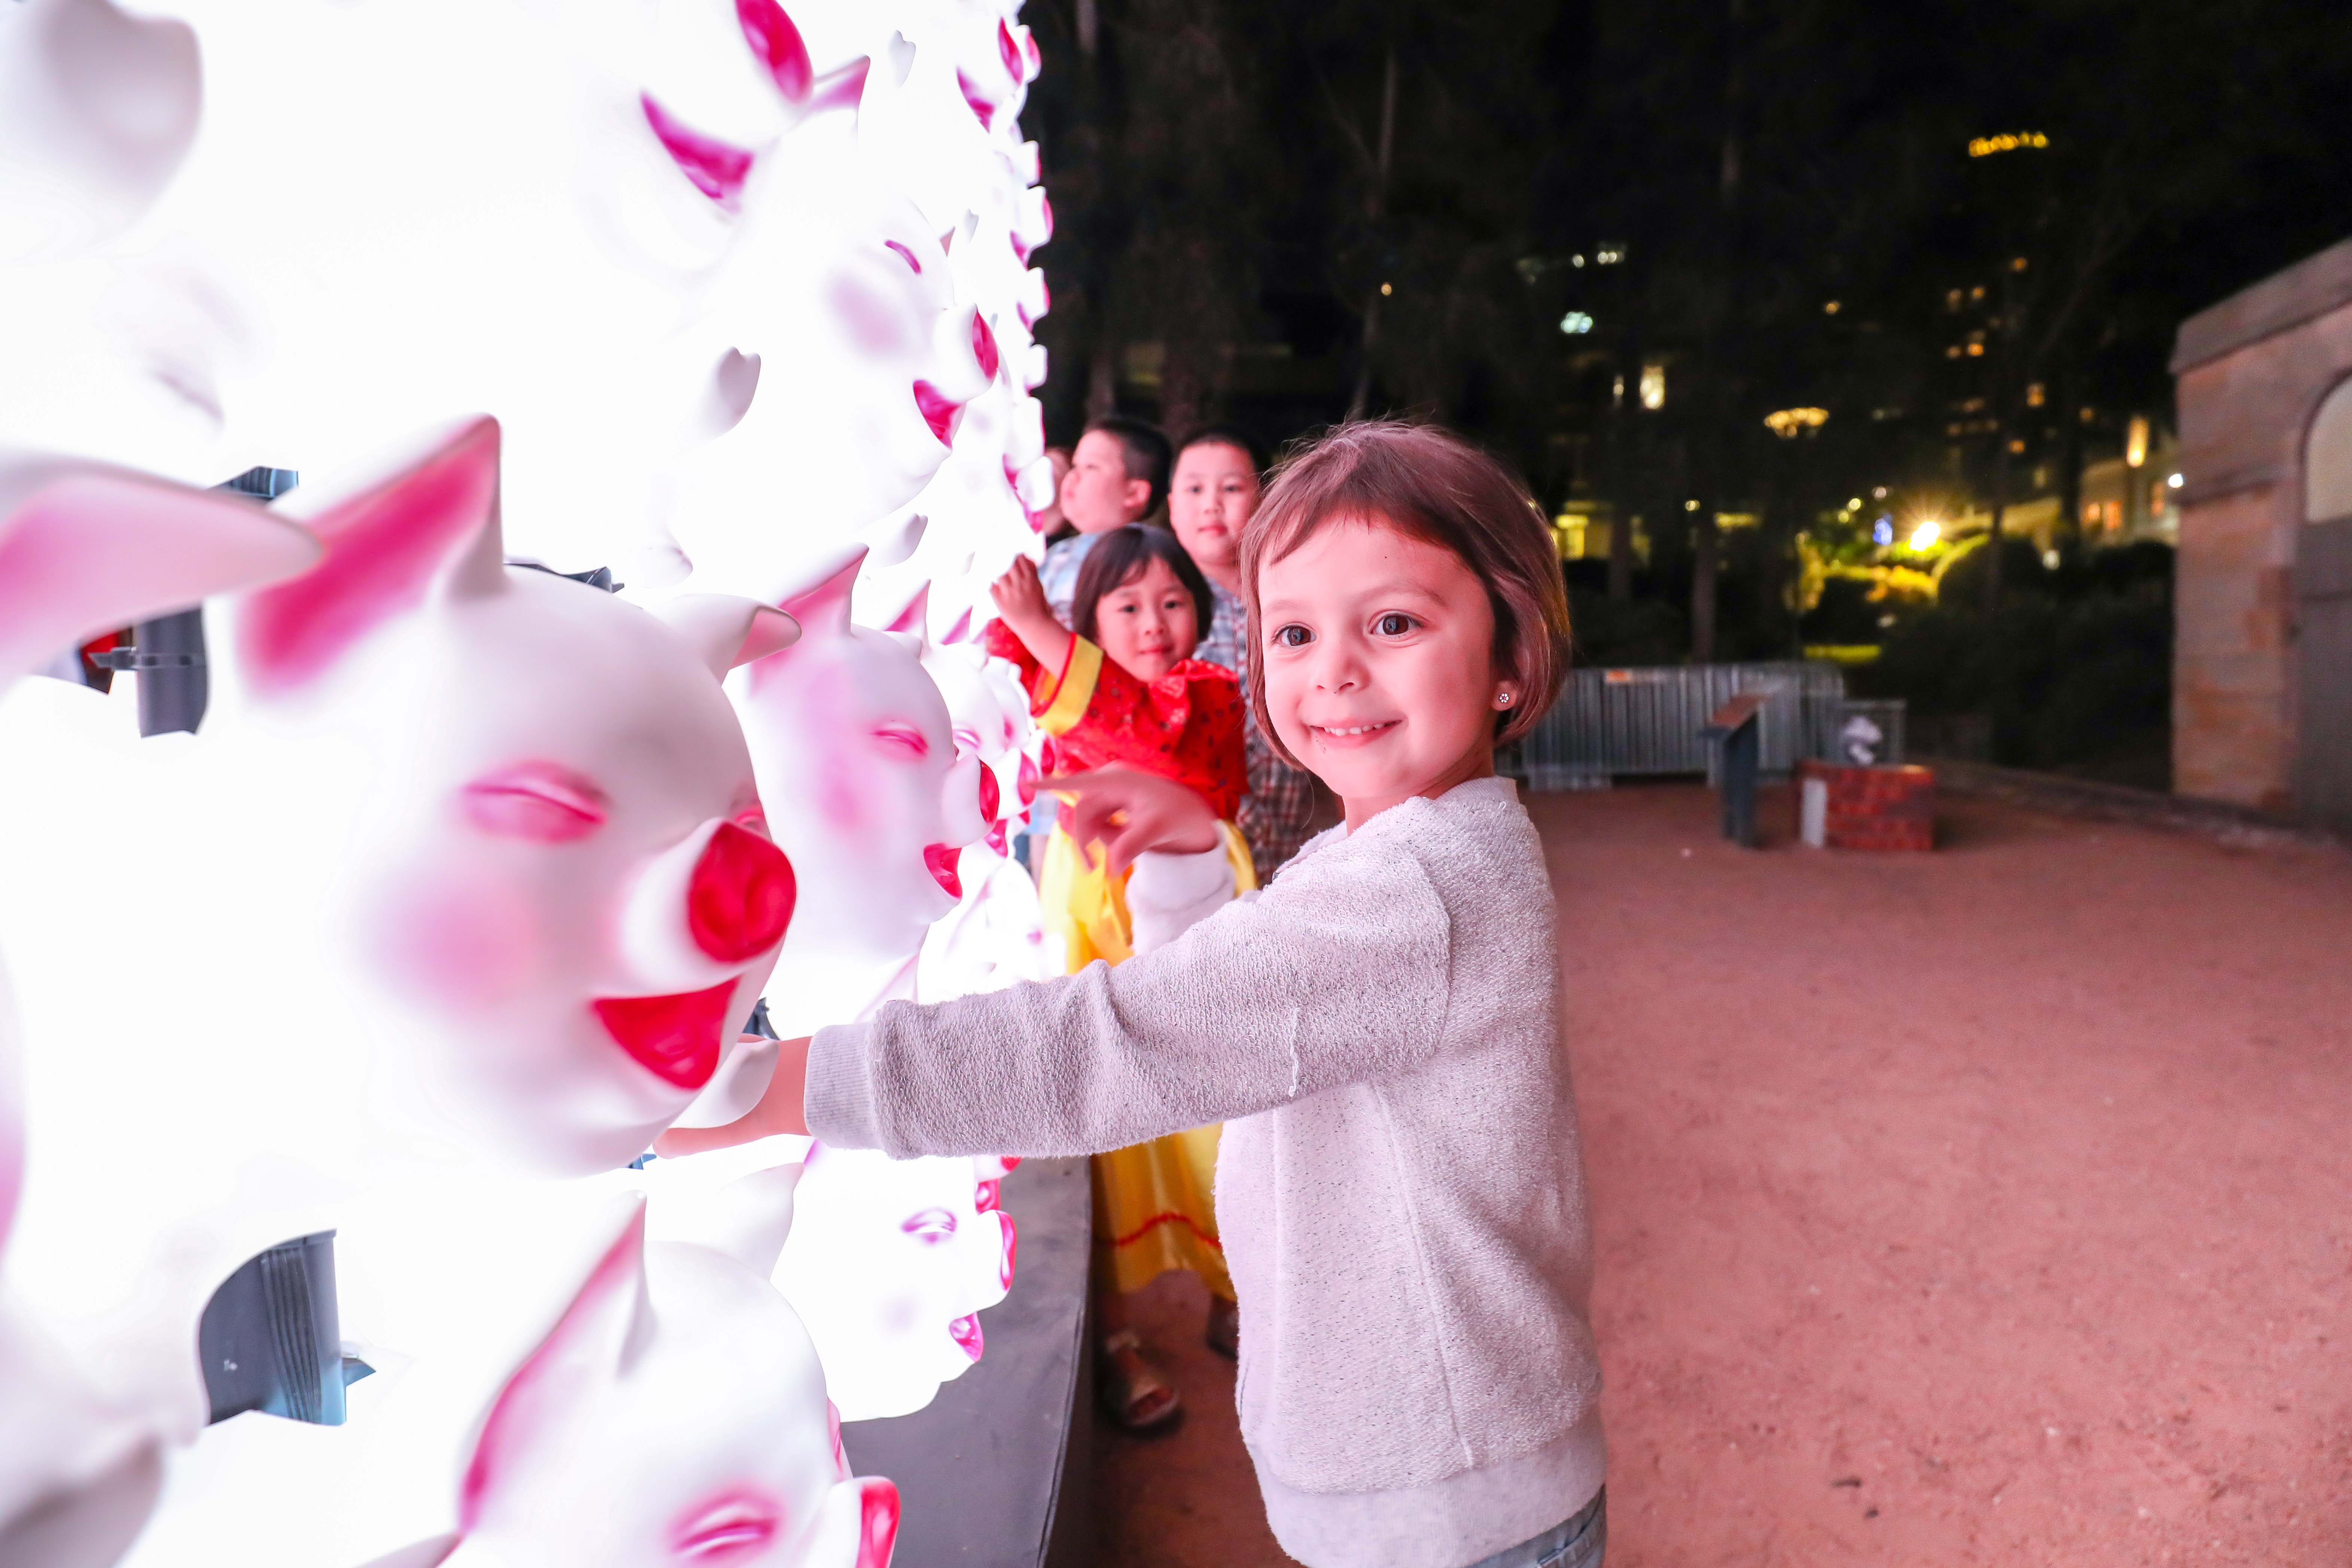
(2069, 462)
(1102, 380)
(1704, 540)
(1621, 515)
(1720, 398)
(1372, 207)
(1999, 512)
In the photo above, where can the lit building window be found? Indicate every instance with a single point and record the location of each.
(1654, 385)
(1789, 423)
(2034, 394)
(2135, 441)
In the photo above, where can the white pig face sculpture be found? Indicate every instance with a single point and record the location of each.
(889, 1263)
(677, 1415)
(82, 548)
(867, 794)
(559, 891)
(867, 363)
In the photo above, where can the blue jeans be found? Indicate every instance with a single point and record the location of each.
(1576, 1542)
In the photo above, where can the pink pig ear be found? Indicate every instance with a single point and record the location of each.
(424, 517)
(588, 1347)
(92, 547)
(915, 620)
(725, 631)
(824, 609)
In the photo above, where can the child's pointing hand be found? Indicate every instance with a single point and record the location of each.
(1129, 812)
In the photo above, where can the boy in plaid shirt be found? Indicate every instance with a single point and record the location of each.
(1214, 492)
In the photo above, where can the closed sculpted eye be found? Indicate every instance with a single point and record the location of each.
(546, 803)
(727, 1529)
(931, 1226)
(902, 737)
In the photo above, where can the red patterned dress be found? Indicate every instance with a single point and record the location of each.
(1153, 1210)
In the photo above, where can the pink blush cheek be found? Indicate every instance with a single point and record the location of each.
(874, 322)
(843, 790)
(459, 945)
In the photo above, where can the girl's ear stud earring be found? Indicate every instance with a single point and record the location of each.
(1501, 700)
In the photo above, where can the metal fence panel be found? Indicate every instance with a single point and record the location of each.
(1632, 722)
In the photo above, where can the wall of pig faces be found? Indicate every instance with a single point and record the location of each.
(464, 855)
(82, 548)
(889, 1263)
(868, 795)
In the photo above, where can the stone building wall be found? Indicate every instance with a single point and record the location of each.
(2250, 373)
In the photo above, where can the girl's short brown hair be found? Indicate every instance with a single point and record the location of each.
(1434, 485)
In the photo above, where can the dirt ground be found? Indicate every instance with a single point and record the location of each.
(1993, 1206)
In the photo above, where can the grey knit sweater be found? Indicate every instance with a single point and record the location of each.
(1400, 1187)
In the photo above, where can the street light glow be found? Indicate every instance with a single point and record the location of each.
(1923, 537)
(1789, 423)
(1576, 323)
(1654, 385)
(2172, 481)
(2006, 142)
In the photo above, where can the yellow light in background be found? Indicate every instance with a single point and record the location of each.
(1654, 385)
(1690, 506)
(1923, 537)
(1386, 291)
(1830, 307)
(1975, 351)
(2034, 396)
(2135, 441)
(2006, 142)
(1788, 423)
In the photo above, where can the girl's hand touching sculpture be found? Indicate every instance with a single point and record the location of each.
(779, 1111)
(1021, 604)
(1128, 811)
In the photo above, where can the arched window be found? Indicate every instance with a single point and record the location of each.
(2327, 459)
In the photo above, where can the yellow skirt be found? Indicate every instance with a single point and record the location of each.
(1154, 1204)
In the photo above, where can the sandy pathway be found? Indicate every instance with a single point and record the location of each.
(1993, 1206)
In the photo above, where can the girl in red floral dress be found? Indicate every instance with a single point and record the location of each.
(1125, 689)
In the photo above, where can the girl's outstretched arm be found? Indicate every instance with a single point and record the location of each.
(1338, 977)
(779, 1110)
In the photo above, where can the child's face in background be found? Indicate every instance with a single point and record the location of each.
(1378, 664)
(1213, 493)
(1149, 624)
(1097, 494)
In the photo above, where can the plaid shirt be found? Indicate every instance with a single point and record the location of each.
(1058, 574)
(1275, 813)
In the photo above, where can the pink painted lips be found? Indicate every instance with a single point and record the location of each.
(676, 1038)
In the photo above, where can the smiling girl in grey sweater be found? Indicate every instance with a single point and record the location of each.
(1399, 1184)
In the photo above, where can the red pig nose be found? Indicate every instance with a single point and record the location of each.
(741, 897)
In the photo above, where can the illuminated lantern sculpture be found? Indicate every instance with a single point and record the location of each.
(659, 1405)
(83, 548)
(476, 878)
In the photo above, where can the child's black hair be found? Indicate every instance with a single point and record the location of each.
(1143, 453)
(1120, 554)
(1225, 436)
